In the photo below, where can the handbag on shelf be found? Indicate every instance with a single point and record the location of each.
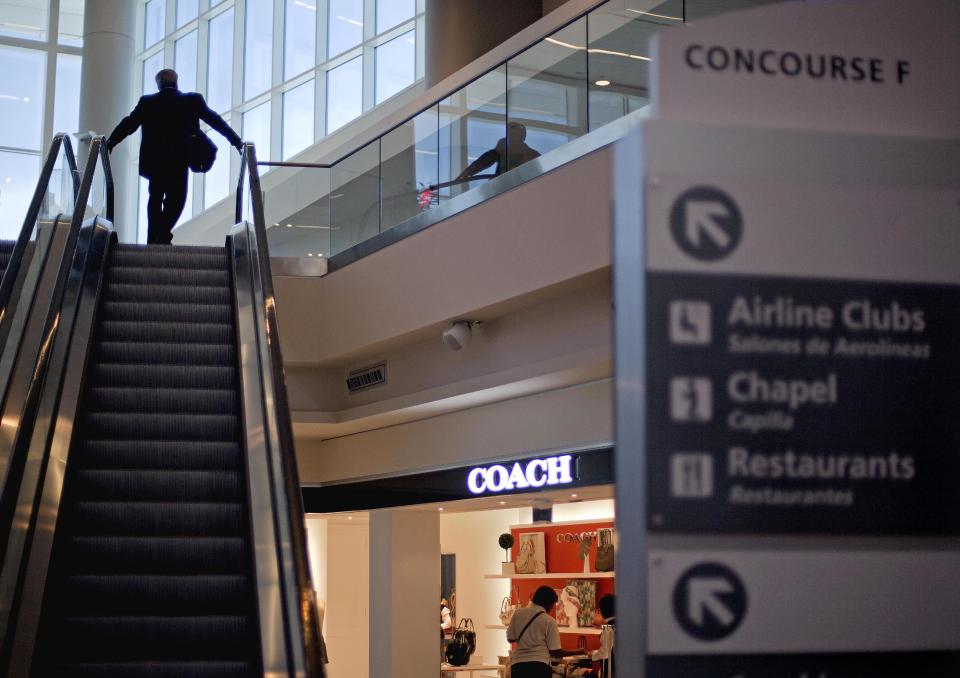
(605, 554)
(507, 608)
(462, 644)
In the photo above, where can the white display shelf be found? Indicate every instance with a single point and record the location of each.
(553, 575)
(563, 629)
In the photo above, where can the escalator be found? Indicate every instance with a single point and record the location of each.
(152, 567)
(159, 528)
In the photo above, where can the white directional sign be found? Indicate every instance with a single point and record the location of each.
(786, 347)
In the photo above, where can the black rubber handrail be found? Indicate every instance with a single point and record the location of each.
(290, 499)
(60, 141)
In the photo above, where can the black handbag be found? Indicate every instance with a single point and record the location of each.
(201, 152)
(462, 644)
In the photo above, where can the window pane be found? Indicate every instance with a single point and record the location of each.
(256, 129)
(620, 58)
(300, 48)
(151, 67)
(66, 94)
(18, 179)
(220, 62)
(142, 211)
(21, 97)
(153, 22)
(24, 18)
(547, 94)
(344, 93)
(259, 48)
(396, 63)
(217, 180)
(392, 12)
(71, 23)
(187, 212)
(345, 25)
(185, 62)
(186, 11)
(472, 125)
(297, 119)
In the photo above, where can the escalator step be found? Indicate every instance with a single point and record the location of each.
(159, 519)
(168, 638)
(166, 353)
(167, 258)
(165, 400)
(204, 669)
(169, 294)
(169, 277)
(156, 555)
(154, 595)
(157, 454)
(170, 313)
(214, 427)
(164, 376)
(152, 485)
(152, 573)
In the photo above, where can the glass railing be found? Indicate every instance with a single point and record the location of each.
(590, 72)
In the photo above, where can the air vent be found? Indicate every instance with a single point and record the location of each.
(368, 377)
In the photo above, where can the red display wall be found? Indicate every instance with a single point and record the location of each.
(562, 556)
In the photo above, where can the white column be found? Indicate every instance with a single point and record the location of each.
(106, 94)
(404, 594)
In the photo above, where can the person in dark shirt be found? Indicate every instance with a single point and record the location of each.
(167, 120)
(511, 151)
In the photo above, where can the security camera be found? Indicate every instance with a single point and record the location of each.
(458, 335)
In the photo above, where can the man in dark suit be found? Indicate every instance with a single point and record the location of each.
(167, 119)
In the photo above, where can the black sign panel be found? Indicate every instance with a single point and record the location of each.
(802, 406)
(847, 665)
(588, 467)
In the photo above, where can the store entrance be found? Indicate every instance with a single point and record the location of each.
(381, 573)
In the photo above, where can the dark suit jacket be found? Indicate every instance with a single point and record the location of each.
(167, 119)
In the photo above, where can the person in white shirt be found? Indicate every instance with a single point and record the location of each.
(604, 655)
(537, 637)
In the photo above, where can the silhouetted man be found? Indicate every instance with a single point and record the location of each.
(511, 151)
(167, 119)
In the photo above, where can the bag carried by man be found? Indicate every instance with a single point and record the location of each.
(201, 152)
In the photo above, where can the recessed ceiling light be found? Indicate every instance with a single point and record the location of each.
(289, 225)
(349, 517)
(502, 503)
(574, 495)
(309, 254)
(440, 509)
(602, 83)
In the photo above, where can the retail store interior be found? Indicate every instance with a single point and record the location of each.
(467, 568)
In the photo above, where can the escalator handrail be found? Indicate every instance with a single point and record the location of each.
(13, 574)
(33, 213)
(287, 495)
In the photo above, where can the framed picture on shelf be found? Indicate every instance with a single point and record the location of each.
(586, 593)
(531, 554)
(568, 606)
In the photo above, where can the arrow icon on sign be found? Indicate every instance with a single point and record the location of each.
(706, 223)
(701, 222)
(702, 595)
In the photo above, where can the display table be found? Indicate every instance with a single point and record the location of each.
(469, 668)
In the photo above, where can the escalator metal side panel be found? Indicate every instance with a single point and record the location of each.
(24, 575)
(19, 356)
(264, 536)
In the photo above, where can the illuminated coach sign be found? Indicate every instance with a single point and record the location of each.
(522, 475)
